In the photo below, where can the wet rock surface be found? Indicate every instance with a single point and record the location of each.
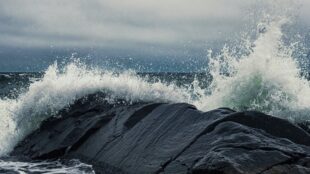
(169, 138)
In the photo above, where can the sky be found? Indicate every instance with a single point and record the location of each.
(157, 35)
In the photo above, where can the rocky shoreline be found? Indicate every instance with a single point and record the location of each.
(169, 138)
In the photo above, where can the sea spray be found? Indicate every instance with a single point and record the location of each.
(60, 87)
(266, 78)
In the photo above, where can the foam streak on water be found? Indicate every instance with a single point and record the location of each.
(47, 167)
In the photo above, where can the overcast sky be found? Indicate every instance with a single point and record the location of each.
(33, 33)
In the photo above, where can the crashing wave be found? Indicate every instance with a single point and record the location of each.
(266, 79)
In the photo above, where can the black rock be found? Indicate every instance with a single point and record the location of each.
(170, 138)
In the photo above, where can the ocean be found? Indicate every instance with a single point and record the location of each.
(268, 78)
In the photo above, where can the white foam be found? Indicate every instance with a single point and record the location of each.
(48, 167)
(267, 80)
(61, 87)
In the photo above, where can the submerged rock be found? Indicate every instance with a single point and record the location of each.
(170, 138)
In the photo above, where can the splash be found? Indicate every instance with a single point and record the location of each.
(265, 77)
(61, 87)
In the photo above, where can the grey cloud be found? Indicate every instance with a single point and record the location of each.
(139, 28)
(98, 23)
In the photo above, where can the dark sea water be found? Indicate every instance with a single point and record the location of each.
(14, 83)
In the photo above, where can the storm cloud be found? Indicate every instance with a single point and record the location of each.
(120, 27)
(79, 23)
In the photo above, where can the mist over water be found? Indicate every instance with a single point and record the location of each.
(266, 78)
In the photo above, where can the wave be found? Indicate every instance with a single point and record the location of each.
(60, 87)
(5, 77)
(267, 78)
